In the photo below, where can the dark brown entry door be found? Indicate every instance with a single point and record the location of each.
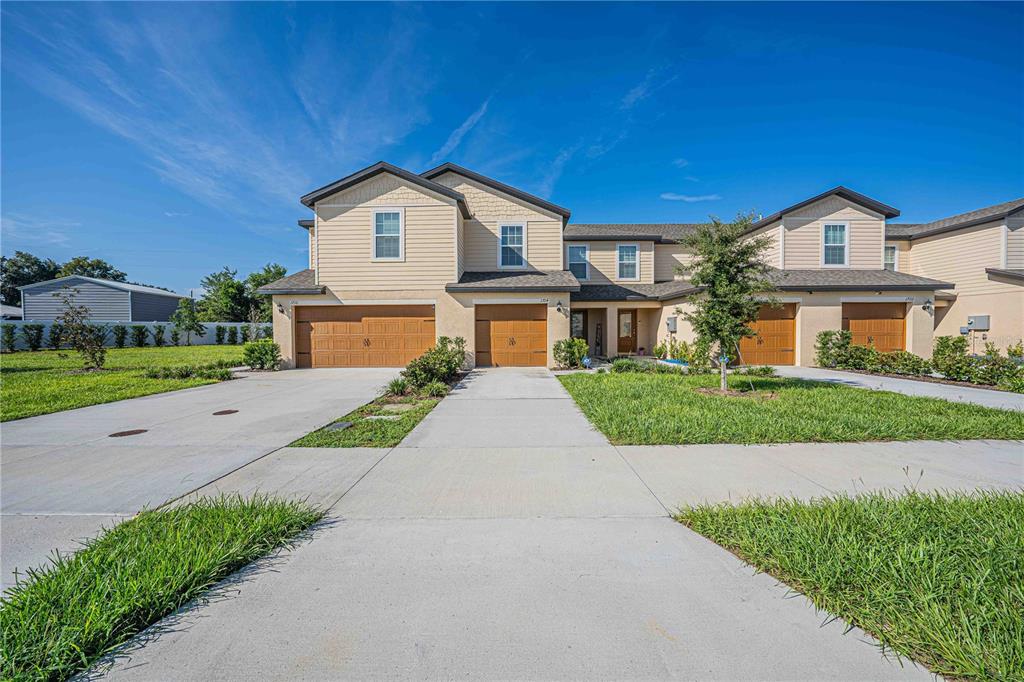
(578, 325)
(627, 331)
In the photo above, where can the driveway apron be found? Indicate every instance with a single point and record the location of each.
(504, 539)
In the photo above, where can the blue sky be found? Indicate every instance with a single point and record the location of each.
(173, 140)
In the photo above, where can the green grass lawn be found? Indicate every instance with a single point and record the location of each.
(651, 409)
(372, 433)
(938, 578)
(64, 617)
(44, 382)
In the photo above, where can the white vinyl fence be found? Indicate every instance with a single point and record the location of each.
(209, 338)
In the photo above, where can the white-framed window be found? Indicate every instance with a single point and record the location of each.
(512, 249)
(628, 261)
(579, 261)
(388, 234)
(835, 244)
(889, 260)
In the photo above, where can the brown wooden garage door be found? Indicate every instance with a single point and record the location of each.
(512, 335)
(362, 336)
(775, 343)
(882, 325)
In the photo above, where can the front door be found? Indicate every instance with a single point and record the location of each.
(627, 331)
(578, 324)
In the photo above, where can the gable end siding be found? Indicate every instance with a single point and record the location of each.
(103, 302)
(152, 307)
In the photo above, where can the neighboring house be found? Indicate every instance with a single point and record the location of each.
(105, 299)
(398, 259)
(10, 312)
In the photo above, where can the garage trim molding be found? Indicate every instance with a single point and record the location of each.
(509, 301)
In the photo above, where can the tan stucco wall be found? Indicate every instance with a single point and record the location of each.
(1006, 311)
(454, 314)
(489, 208)
(604, 266)
(344, 237)
(802, 242)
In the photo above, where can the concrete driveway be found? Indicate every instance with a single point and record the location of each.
(64, 477)
(477, 549)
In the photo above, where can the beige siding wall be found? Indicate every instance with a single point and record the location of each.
(454, 314)
(902, 255)
(803, 234)
(344, 240)
(604, 262)
(668, 258)
(489, 208)
(960, 257)
(1015, 244)
(461, 243)
(773, 254)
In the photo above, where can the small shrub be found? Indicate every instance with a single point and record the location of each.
(440, 363)
(158, 335)
(435, 389)
(120, 333)
(1015, 351)
(175, 337)
(397, 387)
(7, 337)
(33, 335)
(992, 370)
(1014, 382)
(232, 336)
(55, 336)
(623, 365)
(267, 331)
(245, 333)
(88, 340)
(570, 352)
(660, 350)
(860, 357)
(699, 356)
(902, 362)
(218, 335)
(950, 358)
(139, 335)
(212, 370)
(832, 347)
(262, 354)
(759, 371)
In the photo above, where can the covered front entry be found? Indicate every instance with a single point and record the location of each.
(362, 336)
(512, 335)
(882, 325)
(775, 343)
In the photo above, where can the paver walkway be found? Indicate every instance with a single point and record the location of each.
(929, 389)
(476, 549)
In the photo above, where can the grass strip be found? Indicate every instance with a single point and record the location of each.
(62, 618)
(372, 433)
(936, 577)
(50, 381)
(656, 409)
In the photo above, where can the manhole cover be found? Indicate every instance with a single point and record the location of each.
(130, 432)
(220, 412)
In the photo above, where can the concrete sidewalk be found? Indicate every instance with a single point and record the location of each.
(64, 478)
(1003, 400)
(497, 556)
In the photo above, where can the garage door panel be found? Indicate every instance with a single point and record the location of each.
(880, 325)
(775, 342)
(511, 335)
(362, 336)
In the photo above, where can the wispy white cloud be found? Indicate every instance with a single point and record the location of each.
(26, 230)
(176, 214)
(645, 88)
(555, 169)
(455, 139)
(680, 163)
(691, 178)
(689, 198)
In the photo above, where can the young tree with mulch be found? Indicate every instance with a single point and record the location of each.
(730, 270)
(85, 338)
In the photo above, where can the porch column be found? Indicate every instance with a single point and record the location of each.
(611, 331)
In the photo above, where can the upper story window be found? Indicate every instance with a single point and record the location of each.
(628, 265)
(835, 244)
(579, 261)
(512, 252)
(387, 235)
(889, 261)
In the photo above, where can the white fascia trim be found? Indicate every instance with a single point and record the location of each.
(390, 301)
(526, 259)
(488, 301)
(876, 299)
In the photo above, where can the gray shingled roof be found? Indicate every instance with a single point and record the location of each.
(316, 195)
(847, 279)
(662, 291)
(664, 233)
(844, 192)
(500, 186)
(1012, 273)
(301, 282)
(956, 222)
(558, 280)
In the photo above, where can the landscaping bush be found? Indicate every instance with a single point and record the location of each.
(7, 338)
(208, 371)
(620, 365)
(55, 336)
(262, 354)
(440, 363)
(232, 336)
(1016, 352)
(33, 335)
(660, 350)
(218, 335)
(245, 333)
(158, 335)
(992, 370)
(175, 337)
(699, 356)
(901, 362)
(435, 389)
(397, 387)
(267, 331)
(570, 352)
(758, 371)
(950, 359)
(832, 347)
(1013, 383)
(120, 333)
(139, 335)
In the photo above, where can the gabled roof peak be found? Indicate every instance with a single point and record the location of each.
(500, 186)
(841, 191)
